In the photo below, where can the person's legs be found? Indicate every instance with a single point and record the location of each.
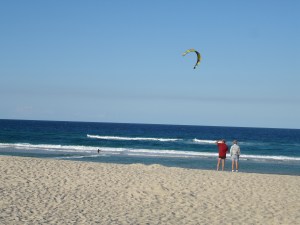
(232, 165)
(223, 164)
(218, 165)
(237, 163)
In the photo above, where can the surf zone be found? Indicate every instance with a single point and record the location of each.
(91, 150)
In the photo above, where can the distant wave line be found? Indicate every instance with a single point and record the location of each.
(204, 141)
(131, 138)
(147, 139)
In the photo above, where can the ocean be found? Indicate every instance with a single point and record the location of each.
(263, 150)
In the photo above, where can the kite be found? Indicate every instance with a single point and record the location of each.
(198, 56)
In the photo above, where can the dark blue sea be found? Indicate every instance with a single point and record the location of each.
(263, 150)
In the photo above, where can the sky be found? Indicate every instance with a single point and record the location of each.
(121, 61)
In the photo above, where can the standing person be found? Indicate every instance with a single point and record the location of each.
(223, 148)
(235, 155)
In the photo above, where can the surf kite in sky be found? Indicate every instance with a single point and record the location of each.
(198, 56)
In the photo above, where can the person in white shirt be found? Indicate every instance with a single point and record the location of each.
(235, 155)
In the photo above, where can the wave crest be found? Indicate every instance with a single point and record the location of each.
(204, 141)
(130, 138)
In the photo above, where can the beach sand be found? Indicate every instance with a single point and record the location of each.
(43, 191)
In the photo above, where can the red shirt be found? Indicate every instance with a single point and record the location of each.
(222, 149)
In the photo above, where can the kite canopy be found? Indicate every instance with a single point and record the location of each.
(197, 53)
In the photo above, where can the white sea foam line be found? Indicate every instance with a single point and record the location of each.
(161, 155)
(70, 148)
(200, 141)
(204, 141)
(171, 152)
(130, 138)
(275, 157)
(70, 157)
(27, 146)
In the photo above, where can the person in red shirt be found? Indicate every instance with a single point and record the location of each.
(223, 148)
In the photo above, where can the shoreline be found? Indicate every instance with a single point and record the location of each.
(38, 190)
(279, 167)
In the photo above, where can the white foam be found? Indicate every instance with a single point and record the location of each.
(273, 157)
(130, 138)
(47, 147)
(70, 157)
(204, 141)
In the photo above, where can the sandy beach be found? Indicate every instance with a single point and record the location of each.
(43, 191)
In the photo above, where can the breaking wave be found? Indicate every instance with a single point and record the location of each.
(131, 138)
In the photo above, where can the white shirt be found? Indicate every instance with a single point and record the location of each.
(235, 150)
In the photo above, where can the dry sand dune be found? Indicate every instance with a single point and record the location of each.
(41, 191)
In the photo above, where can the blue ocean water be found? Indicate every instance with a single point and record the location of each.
(263, 150)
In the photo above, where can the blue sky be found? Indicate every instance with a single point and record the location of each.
(120, 61)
